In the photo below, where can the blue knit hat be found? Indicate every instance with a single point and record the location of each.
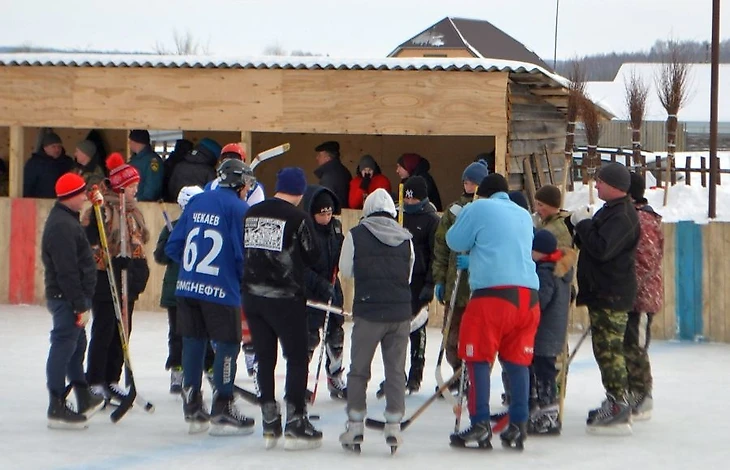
(291, 180)
(544, 242)
(211, 146)
(475, 172)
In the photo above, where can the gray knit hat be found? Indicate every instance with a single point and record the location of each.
(87, 147)
(616, 175)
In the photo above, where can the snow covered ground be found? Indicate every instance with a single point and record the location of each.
(688, 430)
(684, 202)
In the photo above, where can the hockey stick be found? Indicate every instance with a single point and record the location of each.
(445, 337)
(268, 154)
(127, 403)
(166, 216)
(377, 424)
(416, 322)
(324, 337)
(460, 400)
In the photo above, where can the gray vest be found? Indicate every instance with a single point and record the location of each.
(382, 293)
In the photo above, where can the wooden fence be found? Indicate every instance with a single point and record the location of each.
(695, 268)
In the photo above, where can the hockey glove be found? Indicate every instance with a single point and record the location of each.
(82, 318)
(462, 262)
(439, 291)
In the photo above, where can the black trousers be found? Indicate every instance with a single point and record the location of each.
(105, 357)
(174, 344)
(280, 320)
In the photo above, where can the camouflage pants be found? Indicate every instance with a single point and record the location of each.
(452, 341)
(607, 330)
(636, 347)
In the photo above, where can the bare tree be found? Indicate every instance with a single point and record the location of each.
(183, 44)
(636, 93)
(592, 123)
(576, 91)
(672, 85)
(275, 49)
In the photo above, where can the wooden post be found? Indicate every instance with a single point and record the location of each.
(540, 170)
(247, 145)
(688, 171)
(529, 180)
(551, 172)
(500, 155)
(703, 171)
(16, 160)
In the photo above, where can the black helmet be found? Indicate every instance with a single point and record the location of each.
(234, 174)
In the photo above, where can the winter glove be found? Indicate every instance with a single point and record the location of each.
(365, 183)
(123, 262)
(82, 318)
(439, 290)
(95, 196)
(581, 214)
(426, 294)
(462, 262)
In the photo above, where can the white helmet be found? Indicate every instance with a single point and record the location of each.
(186, 193)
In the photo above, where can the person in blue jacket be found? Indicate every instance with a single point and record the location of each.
(207, 242)
(503, 312)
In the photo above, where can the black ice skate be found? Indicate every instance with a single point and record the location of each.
(176, 380)
(478, 433)
(612, 418)
(544, 420)
(514, 436)
(415, 376)
(353, 436)
(271, 423)
(299, 433)
(227, 420)
(195, 415)
(62, 416)
(117, 394)
(87, 403)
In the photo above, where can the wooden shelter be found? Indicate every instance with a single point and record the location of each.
(448, 110)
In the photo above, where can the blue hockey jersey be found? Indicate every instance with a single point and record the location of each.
(207, 242)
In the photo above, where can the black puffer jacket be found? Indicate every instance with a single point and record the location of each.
(329, 239)
(335, 176)
(197, 168)
(70, 269)
(422, 225)
(606, 262)
(41, 173)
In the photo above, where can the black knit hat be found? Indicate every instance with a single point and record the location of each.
(549, 195)
(50, 138)
(141, 136)
(493, 183)
(637, 188)
(322, 202)
(416, 188)
(616, 175)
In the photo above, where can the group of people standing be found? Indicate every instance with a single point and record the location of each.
(229, 258)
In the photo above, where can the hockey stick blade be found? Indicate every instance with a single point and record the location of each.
(246, 395)
(125, 405)
(271, 153)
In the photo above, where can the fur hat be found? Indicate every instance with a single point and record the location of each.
(121, 174)
(616, 175)
(544, 242)
(69, 185)
(291, 180)
(549, 195)
(493, 183)
(415, 187)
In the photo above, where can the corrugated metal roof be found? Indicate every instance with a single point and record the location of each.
(286, 63)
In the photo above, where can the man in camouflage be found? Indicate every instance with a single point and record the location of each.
(649, 254)
(607, 286)
(445, 262)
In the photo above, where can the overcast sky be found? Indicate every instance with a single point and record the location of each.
(348, 28)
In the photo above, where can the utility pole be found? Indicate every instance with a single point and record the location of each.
(714, 79)
(555, 41)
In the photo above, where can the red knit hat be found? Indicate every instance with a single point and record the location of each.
(69, 185)
(409, 161)
(121, 174)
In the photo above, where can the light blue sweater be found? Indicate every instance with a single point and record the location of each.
(497, 233)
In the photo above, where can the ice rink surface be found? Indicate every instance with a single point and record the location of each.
(689, 429)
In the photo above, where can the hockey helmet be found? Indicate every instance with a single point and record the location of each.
(233, 148)
(187, 193)
(235, 174)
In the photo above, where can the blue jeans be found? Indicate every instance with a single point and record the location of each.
(68, 346)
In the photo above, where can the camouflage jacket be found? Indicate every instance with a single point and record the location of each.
(444, 260)
(555, 224)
